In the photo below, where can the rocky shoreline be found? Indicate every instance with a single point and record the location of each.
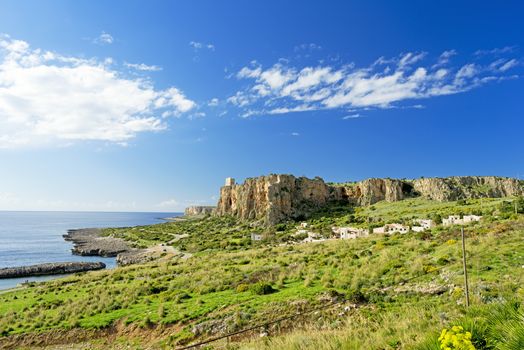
(89, 242)
(58, 268)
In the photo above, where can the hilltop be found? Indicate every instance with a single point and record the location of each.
(275, 198)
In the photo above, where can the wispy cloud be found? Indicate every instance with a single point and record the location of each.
(352, 116)
(196, 45)
(285, 88)
(50, 99)
(496, 51)
(213, 102)
(307, 47)
(142, 67)
(295, 133)
(104, 39)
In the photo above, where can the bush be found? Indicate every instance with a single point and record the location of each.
(242, 288)
(262, 288)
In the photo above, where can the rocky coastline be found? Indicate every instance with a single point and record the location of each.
(57, 268)
(90, 242)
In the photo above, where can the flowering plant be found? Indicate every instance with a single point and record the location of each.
(455, 339)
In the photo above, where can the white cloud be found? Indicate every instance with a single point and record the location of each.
(445, 57)
(104, 39)
(213, 102)
(142, 67)
(308, 47)
(496, 51)
(503, 64)
(352, 116)
(198, 46)
(467, 71)
(410, 59)
(47, 98)
(284, 88)
(295, 133)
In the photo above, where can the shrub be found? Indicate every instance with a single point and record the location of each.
(262, 288)
(242, 288)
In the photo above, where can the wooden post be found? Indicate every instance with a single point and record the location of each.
(465, 267)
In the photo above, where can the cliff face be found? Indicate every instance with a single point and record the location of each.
(275, 198)
(463, 187)
(198, 210)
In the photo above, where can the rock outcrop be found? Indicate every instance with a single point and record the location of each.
(275, 198)
(198, 210)
(89, 242)
(464, 187)
(50, 269)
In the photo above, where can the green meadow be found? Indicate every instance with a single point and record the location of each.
(390, 292)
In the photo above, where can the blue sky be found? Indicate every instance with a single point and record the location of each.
(149, 105)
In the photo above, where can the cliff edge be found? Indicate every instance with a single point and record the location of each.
(277, 197)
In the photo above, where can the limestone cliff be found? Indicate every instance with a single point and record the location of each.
(198, 210)
(463, 187)
(275, 198)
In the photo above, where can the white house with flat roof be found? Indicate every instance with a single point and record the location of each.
(393, 228)
(471, 218)
(349, 232)
(452, 220)
(423, 225)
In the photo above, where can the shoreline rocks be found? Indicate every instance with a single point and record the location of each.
(89, 242)
(58, 268)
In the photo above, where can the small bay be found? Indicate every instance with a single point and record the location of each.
(35, 237)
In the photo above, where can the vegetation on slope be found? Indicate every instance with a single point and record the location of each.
(406, 288)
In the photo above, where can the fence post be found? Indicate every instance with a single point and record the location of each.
(465, 267)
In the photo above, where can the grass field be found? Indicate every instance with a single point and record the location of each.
(406, 287)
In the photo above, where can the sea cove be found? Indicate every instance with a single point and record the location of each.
(28, 237)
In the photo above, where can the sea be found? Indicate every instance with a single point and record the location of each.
(34, 237)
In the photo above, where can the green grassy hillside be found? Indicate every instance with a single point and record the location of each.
(391, 291)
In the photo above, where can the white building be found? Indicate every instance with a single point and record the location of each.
(379, 229)
(256, 237)
(452, 220)
(471, 218)
(392, 228)
(350, 232)
(423, 225)
(426, 223)
(303, 225)
(230, 181)
(456, 220)
(313, 237)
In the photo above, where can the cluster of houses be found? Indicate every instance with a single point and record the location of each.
(420, 225)
(456, 220)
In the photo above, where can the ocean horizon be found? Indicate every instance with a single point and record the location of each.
(35, 237)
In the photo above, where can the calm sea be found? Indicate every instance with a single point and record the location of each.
(28, 238)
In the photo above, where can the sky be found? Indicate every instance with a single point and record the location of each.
(150, 105)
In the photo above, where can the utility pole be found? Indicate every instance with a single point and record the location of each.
(465, 267)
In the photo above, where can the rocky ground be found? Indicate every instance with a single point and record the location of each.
(89, 242)
(50, 269)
